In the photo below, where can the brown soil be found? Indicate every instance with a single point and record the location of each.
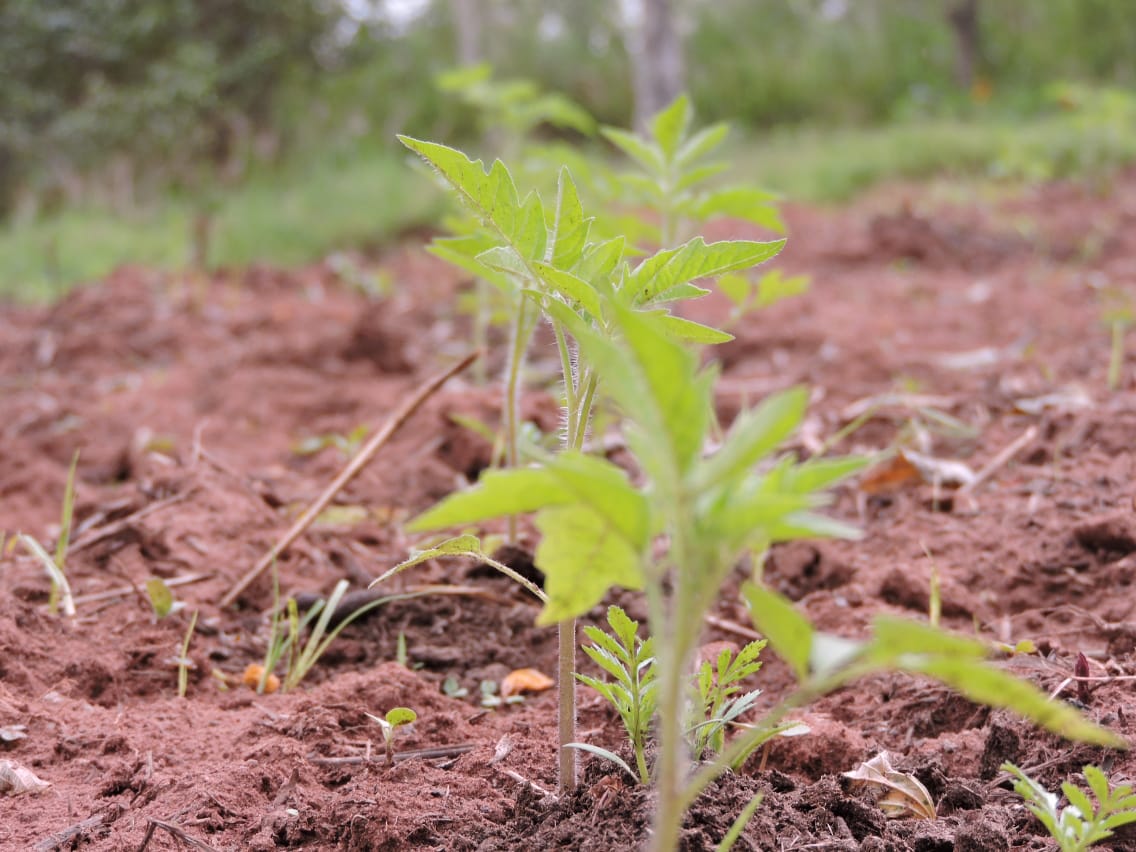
(187, 398)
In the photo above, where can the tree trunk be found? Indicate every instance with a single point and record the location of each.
(963, 17)
(658, 73)
(467, 29)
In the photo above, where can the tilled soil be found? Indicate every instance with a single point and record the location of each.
(189, 398)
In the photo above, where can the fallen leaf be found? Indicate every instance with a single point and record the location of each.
(525, 680)
(15, 779)
(11, 733)
(252, 675)
(892, 475)
(898, 794)
(1064, 401)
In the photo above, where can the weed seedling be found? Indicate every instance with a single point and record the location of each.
(630, 662)
(1118, 313)
(394, 719)
(184, 663)
(1086, 820)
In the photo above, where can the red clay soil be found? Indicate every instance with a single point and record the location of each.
(188, 397)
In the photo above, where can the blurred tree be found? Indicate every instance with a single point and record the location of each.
(963, 17)
(153, 85)
(654, 46)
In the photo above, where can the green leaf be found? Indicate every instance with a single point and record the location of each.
(752, 205)
(797, 525)
(693, 260)
(669, 126)
(606, 755)
(625, 628)
(894, 638)
(491, 195)
(697, 175)
(702, 143)
(599, 262)
(569, 286)
(498, 493)
(993, 687)
(644, 153)
(455, 251)
(400, 716)
(773, 286)
(690, 331)
(789, 632)
(582, 555)
(161, 598)
(570, 228)
(816, 474)
(754, 435)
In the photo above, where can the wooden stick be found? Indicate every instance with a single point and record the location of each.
(114, 527)
(122, 591)
(348, 473)
(176, 831)
(399, 756)
(1003, 457)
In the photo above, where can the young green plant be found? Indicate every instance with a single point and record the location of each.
(630, 662)
(563, 275)
(394, 719)
(1086, 820)
(599, 531)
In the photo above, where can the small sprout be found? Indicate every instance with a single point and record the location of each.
(1083, 822)
(184, 663)
(525, 680)
(452, 688)
(161, 598)
(1081, 671)
(395, 718)
(400, 654)
(491, 699)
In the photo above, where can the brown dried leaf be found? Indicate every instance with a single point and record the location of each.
(525, 680)
(15, 780)
(898, 794)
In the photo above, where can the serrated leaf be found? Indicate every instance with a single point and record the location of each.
(697, 175)
(644, 153)
(670, 125)
(690, 331)
(773, 286)
(789, 632)
(749, 204)
(582, 555)
(570, 228)
(693, 260)
(491, 195)
(498, 493)
(624, 627)
(754, 435)
(702, 143)
(993, 687)
(569, 286)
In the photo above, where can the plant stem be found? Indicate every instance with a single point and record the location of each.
(518, 343)
(569, 383)
(566, 667)
(1116, 357)
(481, 329)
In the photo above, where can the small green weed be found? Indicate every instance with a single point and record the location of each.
(1086, 820)
(390, 723)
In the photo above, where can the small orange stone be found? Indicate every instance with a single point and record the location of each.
(525, 680)
(251, 678)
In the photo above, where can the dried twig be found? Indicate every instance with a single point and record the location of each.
(728, 626)
(72, 833)
(176, 831)
(373, 445)
(399, 756)
(115, 527)
(122, 591)
(999, 461)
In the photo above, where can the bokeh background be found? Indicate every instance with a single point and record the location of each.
(215, 132)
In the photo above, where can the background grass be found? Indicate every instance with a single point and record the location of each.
(366, 197)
